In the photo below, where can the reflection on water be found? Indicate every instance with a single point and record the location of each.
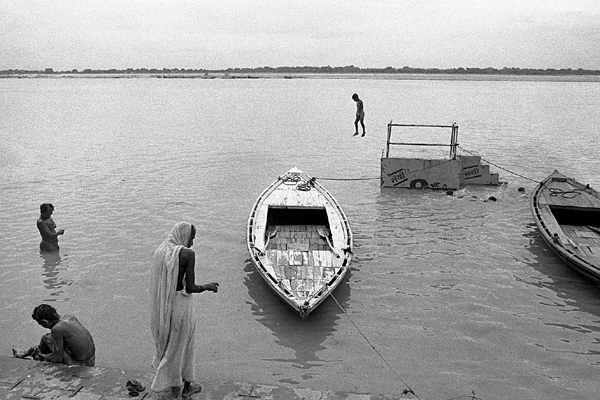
(571, 294)
(305, 337)
(457, 293)
(565, 282)
(50, 271)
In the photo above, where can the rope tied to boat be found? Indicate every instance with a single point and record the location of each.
(291, 179)
(437, 165)
(299, 182)
(305, 186)
(407, 390)
(434, 166)
(379, 177)
(567, 194)
(497, 166)
(349, 179)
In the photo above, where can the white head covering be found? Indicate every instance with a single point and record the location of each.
(163, 285)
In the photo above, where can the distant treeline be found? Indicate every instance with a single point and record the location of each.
(317, 70)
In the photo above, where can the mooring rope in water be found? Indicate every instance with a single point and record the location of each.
(408, 389)
(379, 177)
(405, 391)
(433, 166)
(347, 179)
(497, 166)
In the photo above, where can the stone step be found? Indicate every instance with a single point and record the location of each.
(36, 380)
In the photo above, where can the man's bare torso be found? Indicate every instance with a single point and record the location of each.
(77, 340)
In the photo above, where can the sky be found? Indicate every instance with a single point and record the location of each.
(219, 34)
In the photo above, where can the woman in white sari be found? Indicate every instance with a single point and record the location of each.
(172, 318)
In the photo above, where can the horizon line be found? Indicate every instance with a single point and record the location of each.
(314, 69)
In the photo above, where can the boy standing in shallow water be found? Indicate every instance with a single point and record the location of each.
(360, 115)
(68, 342)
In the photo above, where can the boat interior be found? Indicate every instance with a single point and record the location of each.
(298, 249)
(580, 216)
(301, 229)
(582, 225)
(297, 216)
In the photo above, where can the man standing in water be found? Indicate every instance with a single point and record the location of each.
(68, 342)
(360, 115)
(47, 228)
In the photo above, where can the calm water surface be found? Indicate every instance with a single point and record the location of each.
(457, 295)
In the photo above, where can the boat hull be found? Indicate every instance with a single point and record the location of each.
(299, 240)
(567, 214)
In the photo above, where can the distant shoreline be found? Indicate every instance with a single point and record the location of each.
(276, 75)
(327, 70)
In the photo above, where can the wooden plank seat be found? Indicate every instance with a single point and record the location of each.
(300, 258)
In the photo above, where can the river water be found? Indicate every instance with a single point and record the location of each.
(448, 296)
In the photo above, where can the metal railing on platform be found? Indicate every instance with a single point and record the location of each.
(453, 138)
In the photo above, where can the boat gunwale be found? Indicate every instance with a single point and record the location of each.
(572, 259)
(325, 291)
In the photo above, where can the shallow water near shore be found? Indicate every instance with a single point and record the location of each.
(446, 295)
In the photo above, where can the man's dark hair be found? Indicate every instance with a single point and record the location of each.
(44, 208)
(45, 311)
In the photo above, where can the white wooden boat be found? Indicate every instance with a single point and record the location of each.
(567, 214)
(299, 240)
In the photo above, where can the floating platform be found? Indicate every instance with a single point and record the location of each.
(442, 174)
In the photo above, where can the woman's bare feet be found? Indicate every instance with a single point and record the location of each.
(190, 388)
